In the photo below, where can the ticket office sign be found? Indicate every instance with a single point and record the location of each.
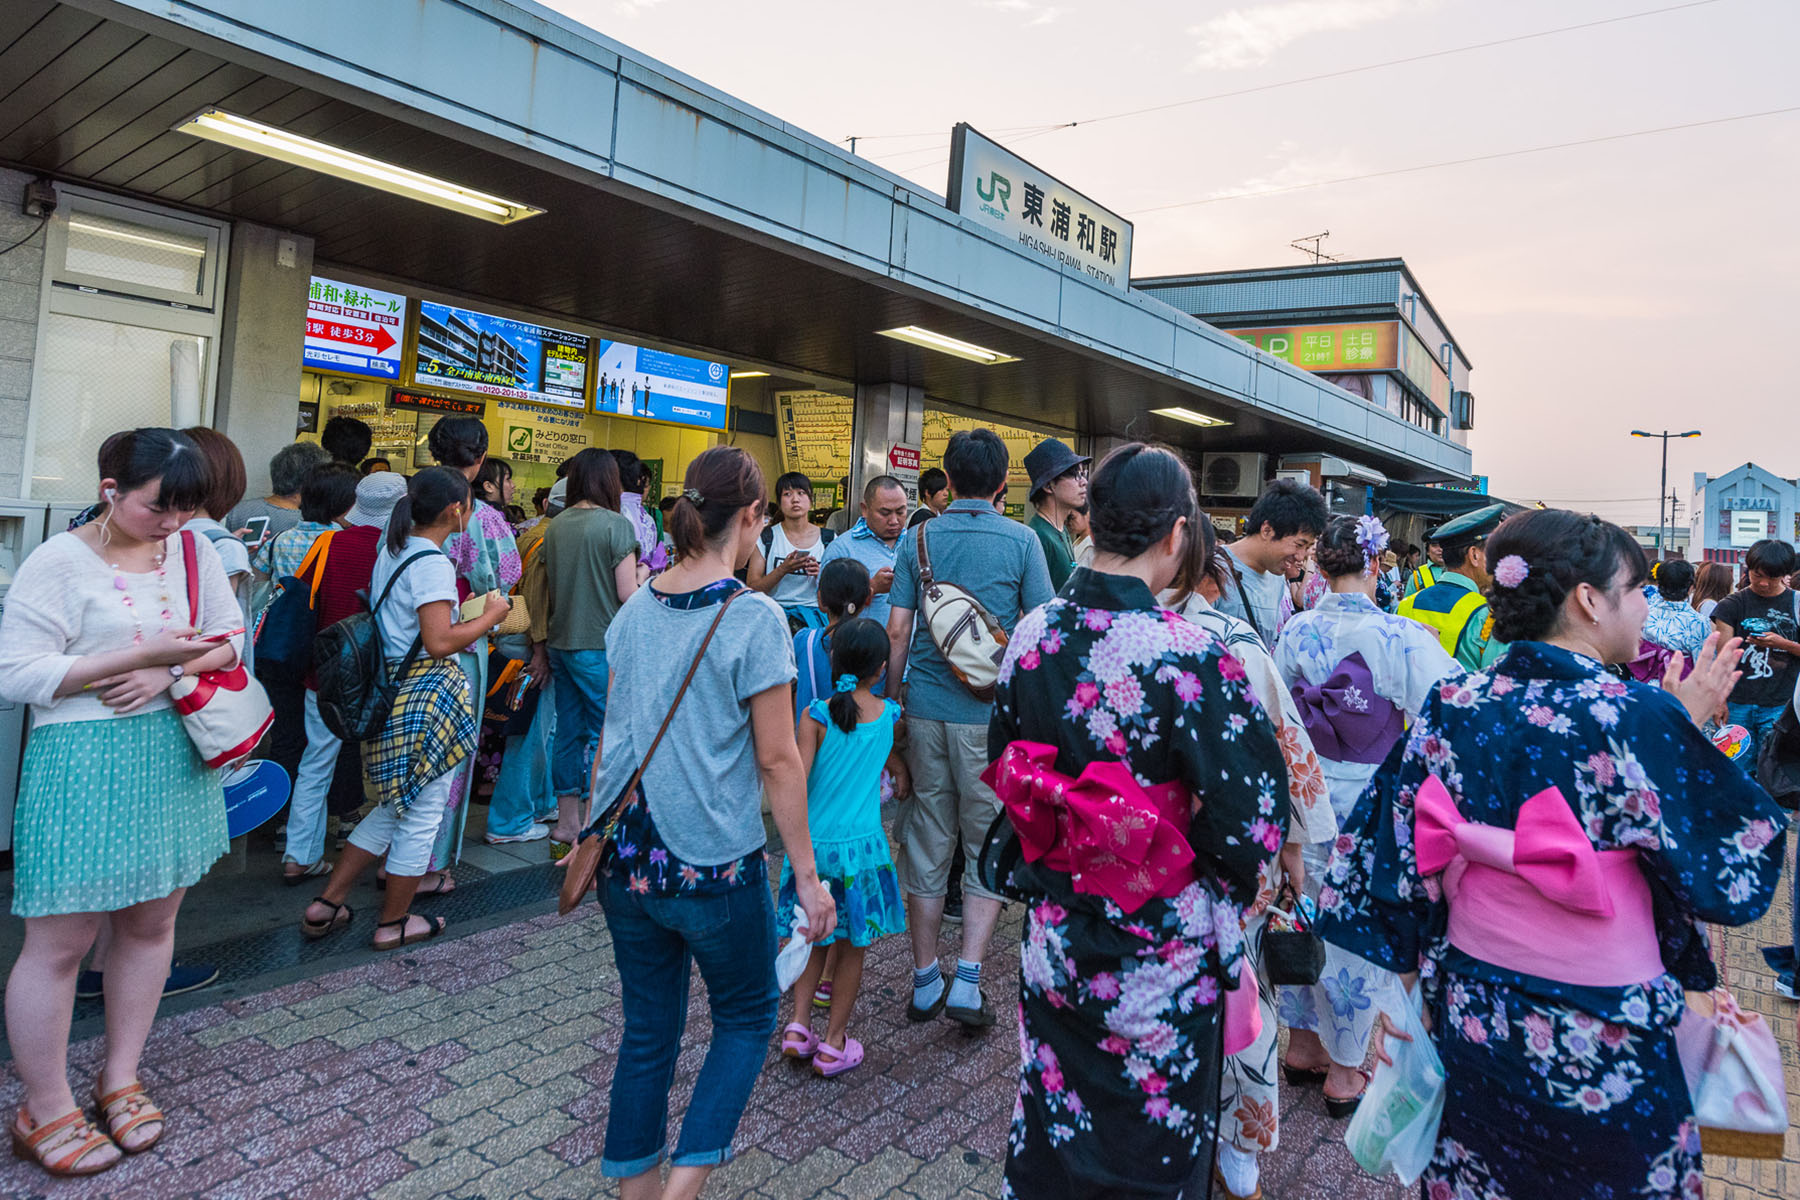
(353, 330)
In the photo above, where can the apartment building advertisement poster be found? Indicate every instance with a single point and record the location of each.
(634, 381)
(498, 356)
(353, 330)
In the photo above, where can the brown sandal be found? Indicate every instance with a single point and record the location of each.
(125, 1110)
(312, 931)
(84, 1139)
(434, 926)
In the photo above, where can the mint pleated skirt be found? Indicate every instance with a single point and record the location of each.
(113, 813)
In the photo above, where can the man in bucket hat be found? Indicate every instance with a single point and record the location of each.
(1058, 489)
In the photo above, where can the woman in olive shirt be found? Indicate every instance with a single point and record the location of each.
(590, 557)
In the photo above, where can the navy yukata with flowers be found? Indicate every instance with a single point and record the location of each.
(1120, 1014)
(1556, 1089)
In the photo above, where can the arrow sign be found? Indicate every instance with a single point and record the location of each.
(363, 337)
(902, 457)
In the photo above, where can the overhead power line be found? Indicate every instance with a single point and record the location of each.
(1031, 131)
(1459, 162)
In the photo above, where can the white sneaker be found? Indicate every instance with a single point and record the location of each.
(536, 833)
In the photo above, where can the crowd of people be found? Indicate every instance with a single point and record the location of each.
(1157, 741)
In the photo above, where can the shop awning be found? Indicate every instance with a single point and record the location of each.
(1431, 501)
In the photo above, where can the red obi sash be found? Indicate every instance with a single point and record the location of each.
(1539, 899)
(1110, 834)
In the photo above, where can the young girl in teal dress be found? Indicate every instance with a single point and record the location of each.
(845, 742)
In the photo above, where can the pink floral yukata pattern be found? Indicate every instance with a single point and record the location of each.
(1120, 1015)
(1556, 1089)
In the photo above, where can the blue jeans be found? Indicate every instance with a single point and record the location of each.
(522, 793)
(580, 678)
(1759, 719)
(731, 935)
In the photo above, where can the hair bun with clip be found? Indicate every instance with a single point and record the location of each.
(694, 497)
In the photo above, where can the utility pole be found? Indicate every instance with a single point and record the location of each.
(1662, 488)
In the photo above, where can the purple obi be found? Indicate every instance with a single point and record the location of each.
(1346, 719)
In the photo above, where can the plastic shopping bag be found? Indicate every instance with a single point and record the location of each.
(1395, 1127)
(790, 960)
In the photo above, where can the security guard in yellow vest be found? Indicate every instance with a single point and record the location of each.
(1427, 572)
(1454, 607)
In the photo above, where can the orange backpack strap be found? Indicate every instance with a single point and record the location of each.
(315, 558)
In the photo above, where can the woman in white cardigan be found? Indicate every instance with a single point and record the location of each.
(117, 813)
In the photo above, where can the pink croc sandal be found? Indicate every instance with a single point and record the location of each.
(797, 1041)
(828, 1061)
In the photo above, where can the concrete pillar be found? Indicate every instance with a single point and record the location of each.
(21, 294)
(886, 413)
(260, 343)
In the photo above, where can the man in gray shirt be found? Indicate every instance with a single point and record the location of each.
(1002, 564)
(1279, 533)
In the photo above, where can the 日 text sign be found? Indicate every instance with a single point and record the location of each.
(996, 187)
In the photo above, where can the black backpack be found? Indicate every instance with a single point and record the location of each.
(286, 629)
(768, 543)
(356, 689)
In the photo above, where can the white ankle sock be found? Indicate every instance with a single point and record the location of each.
(1239, 1169)
(966, 991)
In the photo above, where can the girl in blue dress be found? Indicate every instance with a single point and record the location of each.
(845, 742)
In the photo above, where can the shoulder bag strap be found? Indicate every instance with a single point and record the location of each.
(191, 568)
(925, 576)
(680, 692)
(813, 637)
(1244, 597)
(316, 554)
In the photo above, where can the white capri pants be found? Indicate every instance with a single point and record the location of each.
(406, 840)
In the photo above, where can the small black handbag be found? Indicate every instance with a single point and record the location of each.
(1293, 955)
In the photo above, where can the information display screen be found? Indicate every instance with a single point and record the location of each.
(631, 381)
(497, 356)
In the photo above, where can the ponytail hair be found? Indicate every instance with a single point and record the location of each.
(844, 589)
(428, 494)
(720, 484)
(859, 650)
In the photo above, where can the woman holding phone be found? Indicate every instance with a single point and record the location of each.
(96, 630)
(785, 563)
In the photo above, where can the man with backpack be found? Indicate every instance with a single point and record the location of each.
(962, 581)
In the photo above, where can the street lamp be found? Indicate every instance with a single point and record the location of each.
(1663, 489)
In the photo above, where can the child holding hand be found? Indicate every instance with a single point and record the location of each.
(845, 743)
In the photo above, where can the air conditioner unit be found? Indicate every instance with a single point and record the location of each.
(1234, 475)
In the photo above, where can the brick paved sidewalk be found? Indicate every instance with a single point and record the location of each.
(479, 1068)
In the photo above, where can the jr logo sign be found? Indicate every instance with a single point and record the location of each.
(996, 185)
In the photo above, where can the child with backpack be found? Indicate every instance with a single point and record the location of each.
(845, 743)
(430, 728)
(844, 593)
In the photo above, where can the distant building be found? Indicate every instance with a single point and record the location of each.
(1675, 539)
(1734, 511)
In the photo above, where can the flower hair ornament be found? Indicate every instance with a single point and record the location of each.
(1511, 572)
(845, 683)
(1372, 536)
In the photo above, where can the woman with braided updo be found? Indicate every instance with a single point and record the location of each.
(1553, 979)
(1146, 794)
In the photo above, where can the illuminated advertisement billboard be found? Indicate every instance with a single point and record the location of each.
(498, 356)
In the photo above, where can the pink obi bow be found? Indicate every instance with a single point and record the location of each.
(1538, 898)
(1113, 836)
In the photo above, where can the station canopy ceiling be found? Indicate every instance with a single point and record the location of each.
(88, 98)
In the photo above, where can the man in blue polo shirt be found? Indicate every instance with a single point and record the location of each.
(1002, 564)
(871, 540)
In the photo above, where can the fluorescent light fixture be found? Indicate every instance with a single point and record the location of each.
(749, 374)
(244, 134)
(126, 235)
(937, 341)
(1190, 416)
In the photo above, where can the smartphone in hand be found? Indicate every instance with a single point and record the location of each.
(259, 530)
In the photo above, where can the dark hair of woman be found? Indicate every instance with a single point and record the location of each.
(792, 481)
(859, 648)
(136, 457)
(720, 483)
(1135, 496)
(428, 494)
(225, 470)
(1561, 550)
(458, 442)
(633, 475)
(594, 477)
(1337, 551)
(328, 493)
(844, 589)
(492, 477)
(1712, 582)
(1674, 579)
(347, 439)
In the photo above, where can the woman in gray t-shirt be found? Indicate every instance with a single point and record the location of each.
(685, 879)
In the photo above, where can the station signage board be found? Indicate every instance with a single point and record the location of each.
(353, 330)
(497, 356)
(449, 406)
(992, 185)
(654, 385)
(1371, 346)
(814, 428)
(1748, 528)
